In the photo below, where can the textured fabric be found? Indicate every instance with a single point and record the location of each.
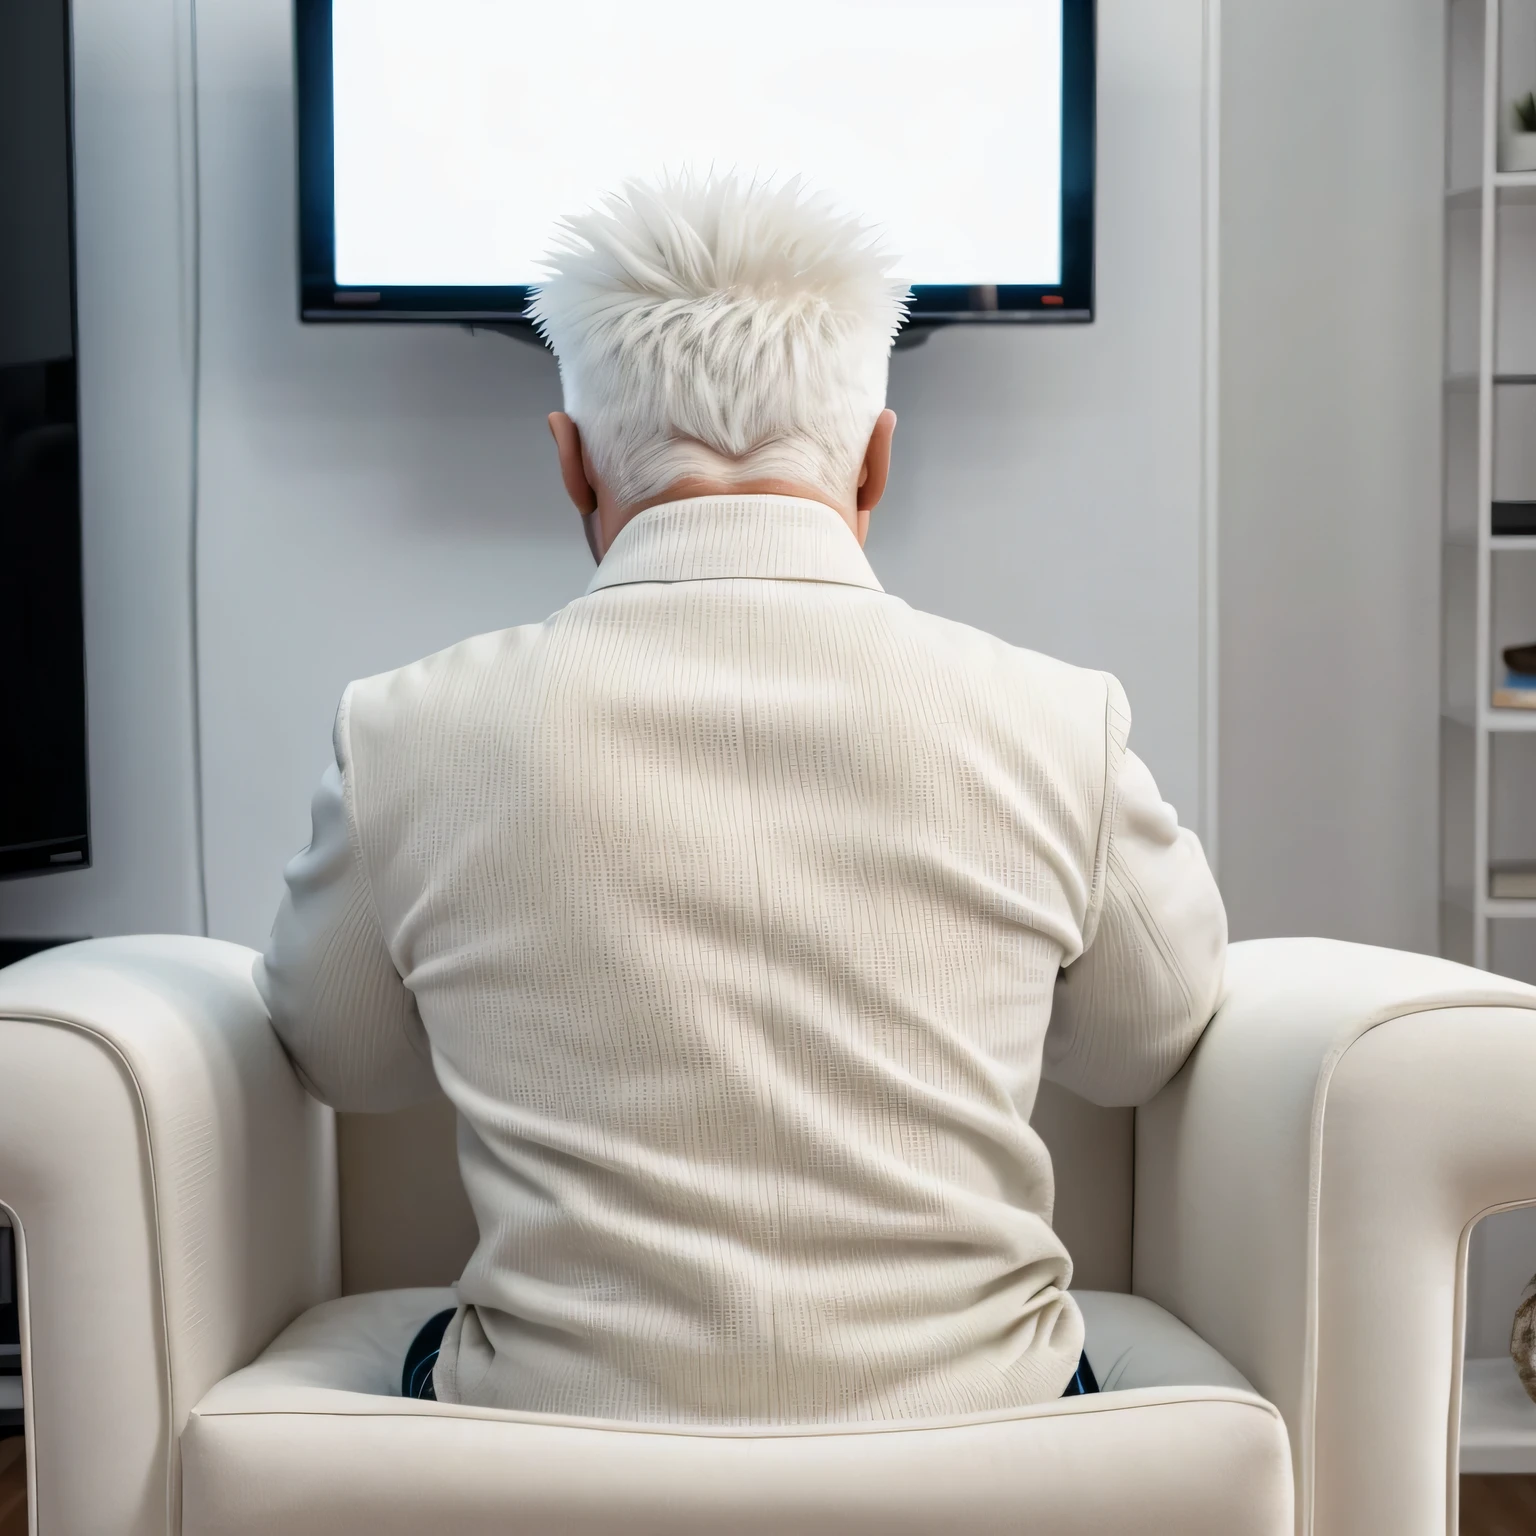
(728, 906)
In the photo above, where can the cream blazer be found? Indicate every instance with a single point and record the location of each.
(738, 908)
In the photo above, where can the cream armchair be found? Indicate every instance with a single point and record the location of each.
(214, 1320)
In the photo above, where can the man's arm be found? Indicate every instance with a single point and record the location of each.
(336, 1000)
(1131, 1008)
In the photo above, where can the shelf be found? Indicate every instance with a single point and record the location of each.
(1508, 186)
(1496, 906)
(1460, 896)
(1468, 381)
(1493, 719)
(1466, 538)
(1510, 719)
(1498, 1421)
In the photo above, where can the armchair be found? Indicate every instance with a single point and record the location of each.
(213, 1323)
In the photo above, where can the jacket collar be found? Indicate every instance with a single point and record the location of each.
(707, 538)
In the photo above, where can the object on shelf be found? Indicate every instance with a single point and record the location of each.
(1517, 692)
(1513, 518)
(1521, 658)
(1520, 146)
(1522, 1340)
(1512, 881)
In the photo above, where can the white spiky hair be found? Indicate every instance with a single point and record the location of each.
(716, 326)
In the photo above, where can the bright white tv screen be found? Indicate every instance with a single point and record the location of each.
(461, 130)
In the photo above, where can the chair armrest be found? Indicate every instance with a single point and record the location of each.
(174, 1194)
(1304, 1192)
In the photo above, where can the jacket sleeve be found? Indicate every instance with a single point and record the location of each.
(1130, 1009)
(337, 1003)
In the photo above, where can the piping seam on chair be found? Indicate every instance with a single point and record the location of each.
(1246, 1401)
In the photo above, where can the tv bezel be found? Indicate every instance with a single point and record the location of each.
(321, 298)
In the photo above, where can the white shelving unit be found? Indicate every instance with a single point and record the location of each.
(1488, 759)
(1474, 411)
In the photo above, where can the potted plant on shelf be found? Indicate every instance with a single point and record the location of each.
(1520, 146)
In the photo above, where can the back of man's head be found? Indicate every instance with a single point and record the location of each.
(719, 329)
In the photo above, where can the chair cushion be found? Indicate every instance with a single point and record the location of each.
(1131, 1342)
(312, 1439)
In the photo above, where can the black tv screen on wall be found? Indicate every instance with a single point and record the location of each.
(439, 140)
(44, 822)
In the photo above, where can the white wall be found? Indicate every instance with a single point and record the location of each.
(1332, 148)
(370, 494)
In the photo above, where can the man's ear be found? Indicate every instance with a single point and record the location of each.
(573, 467)
(876, 469)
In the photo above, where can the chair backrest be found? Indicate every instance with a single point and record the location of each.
(405, 1219)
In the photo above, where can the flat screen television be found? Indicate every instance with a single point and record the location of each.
(440, 140)
(43, 807)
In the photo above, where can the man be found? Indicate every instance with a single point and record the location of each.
(737, 906)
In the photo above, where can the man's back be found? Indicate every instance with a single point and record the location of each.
(731, 902)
